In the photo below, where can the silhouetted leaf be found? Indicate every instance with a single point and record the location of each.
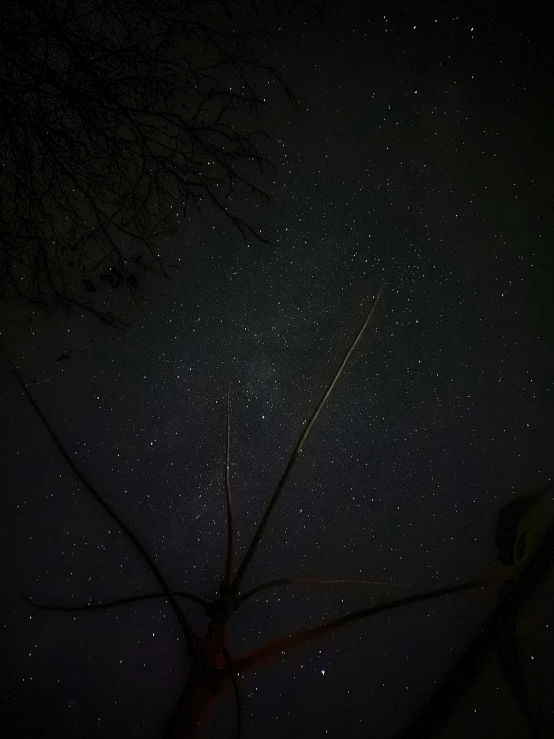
(532, 527)
(519, 526)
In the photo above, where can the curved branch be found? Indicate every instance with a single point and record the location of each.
(451, 690)
(190, 637)
(108, 604)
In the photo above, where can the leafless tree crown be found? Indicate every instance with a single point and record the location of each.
(116, 117)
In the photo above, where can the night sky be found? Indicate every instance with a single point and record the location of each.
(421, 155)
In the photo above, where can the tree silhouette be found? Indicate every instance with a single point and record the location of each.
(213, 669)
(117, 117)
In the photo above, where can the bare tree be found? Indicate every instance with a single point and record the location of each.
(213, 669)
(116, 117)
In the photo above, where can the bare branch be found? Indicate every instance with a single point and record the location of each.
(117, 118)
(190, 637)
(257, 657)
(109, 604)
(238, 702)
(309, 581)
(459, 679)
(296, 451)
(228, 507)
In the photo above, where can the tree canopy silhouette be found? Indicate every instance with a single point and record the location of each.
(117, 118)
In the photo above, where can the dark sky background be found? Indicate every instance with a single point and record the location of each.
(421, 154)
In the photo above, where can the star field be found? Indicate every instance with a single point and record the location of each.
(420, 156)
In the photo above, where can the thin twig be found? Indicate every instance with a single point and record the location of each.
(228, 507)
